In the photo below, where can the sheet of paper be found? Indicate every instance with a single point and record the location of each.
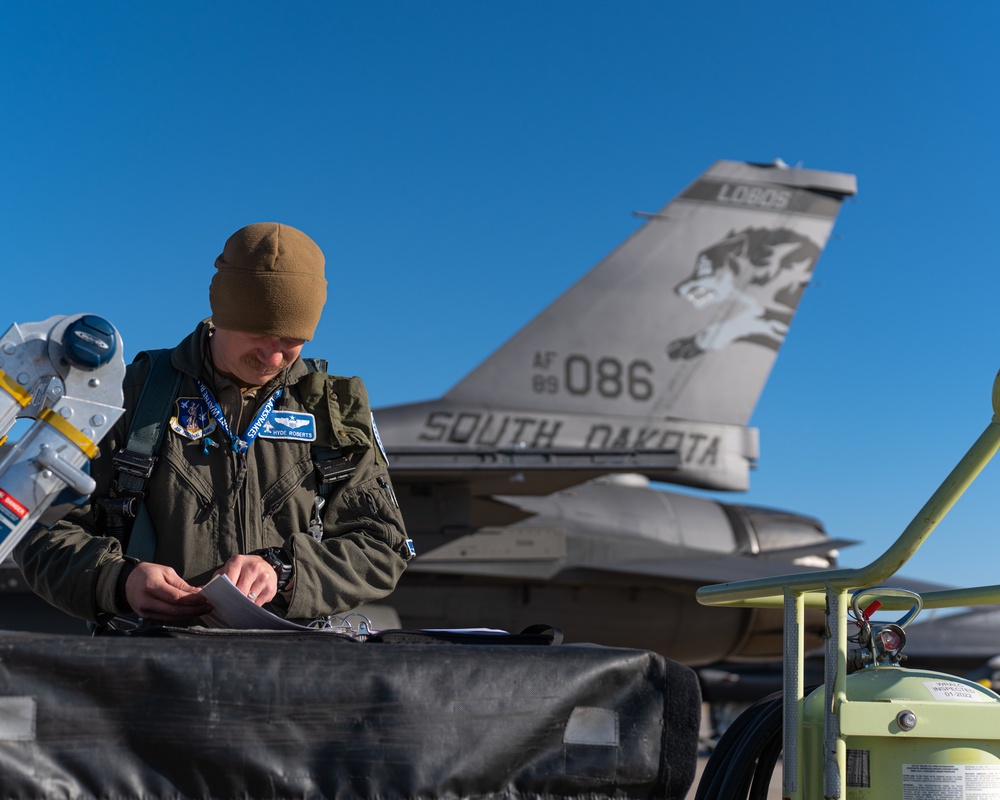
(233, 609)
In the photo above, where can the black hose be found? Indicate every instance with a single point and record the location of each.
(743, 762)
(764, 729)
(722, 756)
(766, 763)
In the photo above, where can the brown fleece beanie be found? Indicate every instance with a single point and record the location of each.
(269, 281)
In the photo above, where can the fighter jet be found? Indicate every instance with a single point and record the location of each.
(526, 487)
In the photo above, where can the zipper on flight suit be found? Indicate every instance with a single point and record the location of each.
(240, 468)
(242, 516)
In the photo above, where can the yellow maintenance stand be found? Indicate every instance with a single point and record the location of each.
(882, 732)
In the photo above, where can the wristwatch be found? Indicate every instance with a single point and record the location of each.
(121, 601)
(277, 558)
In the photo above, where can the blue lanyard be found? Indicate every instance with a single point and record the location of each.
(239, 445)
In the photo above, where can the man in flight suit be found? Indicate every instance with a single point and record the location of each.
(238, 486)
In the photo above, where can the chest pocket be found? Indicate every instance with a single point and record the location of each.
(340, 408)
(279, 492)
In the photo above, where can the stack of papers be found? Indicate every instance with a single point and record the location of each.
(233, 609)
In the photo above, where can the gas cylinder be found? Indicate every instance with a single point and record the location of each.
(910, 735)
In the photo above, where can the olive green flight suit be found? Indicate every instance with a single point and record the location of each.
(208, 506)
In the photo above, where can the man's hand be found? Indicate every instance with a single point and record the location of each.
(253, 576)
(158, 593)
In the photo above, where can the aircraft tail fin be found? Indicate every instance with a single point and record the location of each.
(684, 320)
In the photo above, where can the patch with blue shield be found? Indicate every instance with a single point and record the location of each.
(192, 419)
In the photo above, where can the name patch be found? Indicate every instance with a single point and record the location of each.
(296, 425)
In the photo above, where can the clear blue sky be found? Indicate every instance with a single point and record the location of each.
(461, 163)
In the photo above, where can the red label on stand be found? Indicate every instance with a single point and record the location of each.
(9, 502)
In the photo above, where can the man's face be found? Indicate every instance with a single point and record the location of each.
(251, 358)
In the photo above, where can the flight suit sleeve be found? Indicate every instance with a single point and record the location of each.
(365, 547)
(72, 564)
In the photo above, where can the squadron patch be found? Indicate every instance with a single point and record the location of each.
(192, 420)
(296, 425)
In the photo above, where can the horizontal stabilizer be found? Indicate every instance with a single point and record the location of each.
(704, 569)
(463, 460)
(820, 548)
(522, 470)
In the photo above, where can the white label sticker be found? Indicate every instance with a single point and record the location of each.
(951, 781)
(949, 690)
(17, 719)
(598, 726)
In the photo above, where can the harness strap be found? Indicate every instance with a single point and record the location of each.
(316, 364)
(134, 462)
(332, 466)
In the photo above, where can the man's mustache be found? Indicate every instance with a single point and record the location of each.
(254, 363)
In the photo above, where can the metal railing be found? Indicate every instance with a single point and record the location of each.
(830, 590)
